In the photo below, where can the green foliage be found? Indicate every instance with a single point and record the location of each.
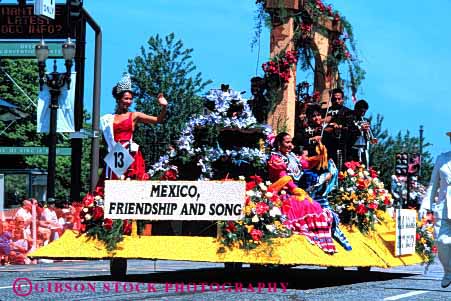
(109, 237)
(165, 66)
(382, 155)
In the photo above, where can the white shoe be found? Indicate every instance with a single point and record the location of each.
(446, 282)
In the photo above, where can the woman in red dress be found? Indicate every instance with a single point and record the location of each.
(118, 128)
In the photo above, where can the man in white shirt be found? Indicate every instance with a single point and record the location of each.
(440, 186)
(49, 219)
(25, 213)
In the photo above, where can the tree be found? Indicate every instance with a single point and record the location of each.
(382, 155)
(166, 67)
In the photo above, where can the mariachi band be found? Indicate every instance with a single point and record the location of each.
(344, 132)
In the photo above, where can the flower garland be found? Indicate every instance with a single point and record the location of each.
(279, 67)
(221, 102)
(361, 198)
(425, 245)
(263, 219)
(307, 19)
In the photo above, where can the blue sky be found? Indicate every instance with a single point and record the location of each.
(404, 46)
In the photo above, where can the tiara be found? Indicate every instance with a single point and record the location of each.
(125, 84)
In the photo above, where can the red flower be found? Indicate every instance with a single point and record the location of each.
(88, 200)
(261, 208)
(373, 172)
(418, 236)
(99, 191)
(250, 185)
(372, 206)
(127, 228)
(97, 213)
(361, 209)
(256, 234)
(231, 227)
(169, 175)
(352, 165)
(108, 224)
(434, 249)
(387, 201)
(361, 184)
(256, 179)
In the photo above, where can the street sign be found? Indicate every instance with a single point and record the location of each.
(26, 49)
(119, 159)
(30, 150)
(406, 227)
(45, 8)
(17, 22)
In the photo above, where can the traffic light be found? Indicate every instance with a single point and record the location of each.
(74, 7)
(414, 164)
(401, 164)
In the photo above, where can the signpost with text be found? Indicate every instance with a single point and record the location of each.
(19, 22)
(45, 8)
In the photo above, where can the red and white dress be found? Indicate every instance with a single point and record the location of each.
(122, 132)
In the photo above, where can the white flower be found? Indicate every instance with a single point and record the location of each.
(88, 217)
(241, 178)
(85, 210)
(353, 179)
(122, 177)
(262, 186)
(283, 192)
(360, 174)
(270, 228)
(250, 193)
(268, 183)
(255, 219)
(275, 211)
(342, 189)
(268, 194)
(350, 172)
(366, 173)
(370, 191)
(98, 197)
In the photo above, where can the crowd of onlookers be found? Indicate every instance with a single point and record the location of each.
(16, 231)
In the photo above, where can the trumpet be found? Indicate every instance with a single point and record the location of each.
(368, 134)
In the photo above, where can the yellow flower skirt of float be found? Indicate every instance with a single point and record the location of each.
(376, 249)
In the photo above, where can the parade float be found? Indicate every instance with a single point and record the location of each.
(215, 182)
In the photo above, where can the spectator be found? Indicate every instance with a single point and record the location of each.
(25, 213)
(19, 248)
(49, 220)
(5, 241)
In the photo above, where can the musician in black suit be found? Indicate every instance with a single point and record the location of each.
(358, 133)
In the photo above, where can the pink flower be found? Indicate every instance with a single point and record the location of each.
(261, 208)
(256, 234)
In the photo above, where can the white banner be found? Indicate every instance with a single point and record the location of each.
(175, 200)
(406, 230)
(65, 112)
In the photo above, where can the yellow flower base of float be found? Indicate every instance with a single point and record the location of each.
(375, 249)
